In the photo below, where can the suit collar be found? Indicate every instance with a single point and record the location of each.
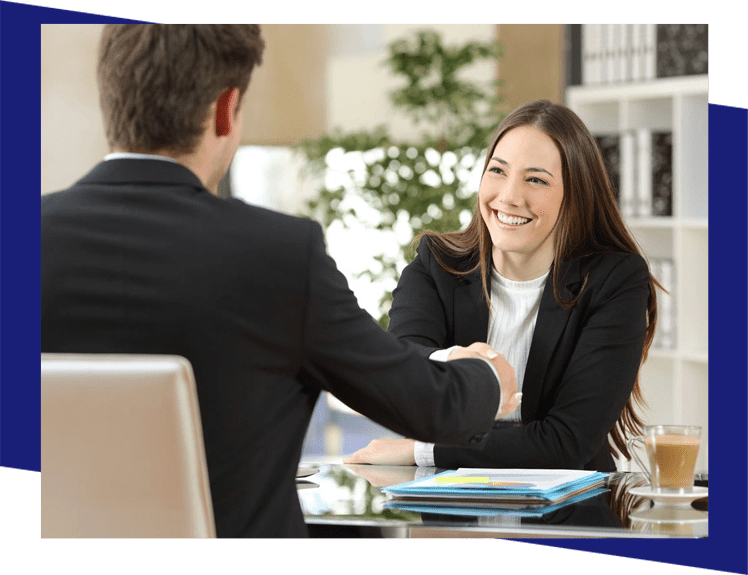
(569, 277)
(142, 171)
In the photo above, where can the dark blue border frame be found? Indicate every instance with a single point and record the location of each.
(20, 149)
(728, 258)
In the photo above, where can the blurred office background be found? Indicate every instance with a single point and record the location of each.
(642, 90)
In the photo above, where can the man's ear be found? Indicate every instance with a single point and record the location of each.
(225, 110)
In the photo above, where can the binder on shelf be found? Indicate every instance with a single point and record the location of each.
(662, 174)
(650, 51)
(627, 52)
(613, 53)
(655, 173)
(644, 172)
(591, 54)
(610, 149)
(637, 52)
(682, 49)
(665, 336)
(640, 167)
(628, 171)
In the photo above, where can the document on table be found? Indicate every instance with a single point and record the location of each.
(500, 485)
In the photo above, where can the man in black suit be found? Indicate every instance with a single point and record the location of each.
(141, 256)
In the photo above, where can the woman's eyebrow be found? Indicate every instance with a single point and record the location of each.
(531, 169)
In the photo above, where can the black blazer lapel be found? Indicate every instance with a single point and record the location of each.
(552, 319)
(470, 312)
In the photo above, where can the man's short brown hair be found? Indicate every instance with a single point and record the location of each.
(157, 81)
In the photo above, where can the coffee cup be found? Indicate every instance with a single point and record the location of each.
(671, 451)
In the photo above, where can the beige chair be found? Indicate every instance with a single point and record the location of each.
(122, 449)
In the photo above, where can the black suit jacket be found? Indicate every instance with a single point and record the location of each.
(138, 257)
(582, 364)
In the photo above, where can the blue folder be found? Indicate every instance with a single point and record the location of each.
(540, 486)
(470, 510)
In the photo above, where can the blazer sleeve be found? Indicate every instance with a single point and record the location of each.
(593, 390)
(349, 355)
(418, 314)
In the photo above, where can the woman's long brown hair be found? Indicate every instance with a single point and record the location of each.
(589, 222)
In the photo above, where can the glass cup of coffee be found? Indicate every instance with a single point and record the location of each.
(672, 452)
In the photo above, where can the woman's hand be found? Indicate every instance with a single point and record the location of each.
(510, 399)
(385, 452)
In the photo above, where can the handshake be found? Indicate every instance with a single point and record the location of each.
(402, 451)
(510, 399)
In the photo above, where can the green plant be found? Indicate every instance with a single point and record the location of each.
(416, 185)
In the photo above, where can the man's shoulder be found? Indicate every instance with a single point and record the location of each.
(272, 221)
(268, 214)
(112, 177)
(58, 200)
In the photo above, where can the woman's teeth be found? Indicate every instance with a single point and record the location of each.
(511, 220)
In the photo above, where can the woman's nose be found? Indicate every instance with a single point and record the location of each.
(510, 193)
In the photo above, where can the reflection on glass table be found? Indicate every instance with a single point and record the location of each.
(347, 501)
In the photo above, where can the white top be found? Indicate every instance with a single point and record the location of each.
(511, 324)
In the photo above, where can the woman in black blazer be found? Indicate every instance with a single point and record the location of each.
(548, 274)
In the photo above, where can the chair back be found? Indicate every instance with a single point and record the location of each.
(122, 450)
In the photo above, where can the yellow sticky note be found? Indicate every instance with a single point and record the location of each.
(461, 479)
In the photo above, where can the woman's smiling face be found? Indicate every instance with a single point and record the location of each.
(520, 199)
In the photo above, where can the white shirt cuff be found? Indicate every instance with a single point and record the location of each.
(424, 454)
(442, 355)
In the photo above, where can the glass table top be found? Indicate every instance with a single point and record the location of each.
(341, 500)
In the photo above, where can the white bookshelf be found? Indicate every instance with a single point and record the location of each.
(674, 380)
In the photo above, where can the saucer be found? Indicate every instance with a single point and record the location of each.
(674, 499)
(303, 484)
(665, 515)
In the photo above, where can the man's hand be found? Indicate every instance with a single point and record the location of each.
(510, 399)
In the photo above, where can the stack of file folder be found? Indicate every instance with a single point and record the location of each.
(530, 492)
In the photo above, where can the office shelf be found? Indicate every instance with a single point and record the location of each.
(674, 379)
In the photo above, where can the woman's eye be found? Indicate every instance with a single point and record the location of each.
(495, 170)
(537, 181)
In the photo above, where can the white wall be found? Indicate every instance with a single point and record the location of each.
(72, 131)
(314, 78)
(358, 83)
